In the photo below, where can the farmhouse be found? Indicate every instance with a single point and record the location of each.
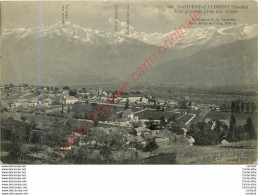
(135, 97)
(161, 140)
(141, 131)
(144, 100)
(46, 101)
(161, 102)
(71, 100)
(184, 130)
(163, 136)
(141, 140)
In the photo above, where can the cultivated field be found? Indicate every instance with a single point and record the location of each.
(156, 115)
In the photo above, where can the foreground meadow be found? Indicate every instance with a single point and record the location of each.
(244, 152)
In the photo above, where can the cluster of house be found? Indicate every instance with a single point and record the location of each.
(29, 96)
(46, 96)
(140, 138)
(161, 137)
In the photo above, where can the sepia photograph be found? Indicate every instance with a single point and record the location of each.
(116, 82)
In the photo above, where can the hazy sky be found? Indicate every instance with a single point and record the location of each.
(143, 16)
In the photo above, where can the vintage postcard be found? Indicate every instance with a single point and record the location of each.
(115, 82)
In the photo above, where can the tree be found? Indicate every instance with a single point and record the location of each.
(238, 106)
(151, 145)
(177, 128)
(253, 107)
(24, 118)
(99, 136)
(72, 93)
(15, 153)
(183, 104)
(126, 104)
(203, 134)
(162, 121)
(241, 134)
(136, 124)
(151, 124)
(117, 139)
(218, 129)
(242, 106)
(106, 153)
(172, 118)
(55, 102)
(250, 129)
(233, 106)
(96, 122)
(62, 112)
(232, 129)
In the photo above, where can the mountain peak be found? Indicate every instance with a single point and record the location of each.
(206, 37)
(67, 23)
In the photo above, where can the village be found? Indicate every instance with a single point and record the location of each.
(138, 128)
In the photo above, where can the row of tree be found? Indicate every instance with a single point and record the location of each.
(239, 106)
(206, 134)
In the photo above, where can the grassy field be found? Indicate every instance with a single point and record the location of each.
(184, 118)
(155, 114)
(233, 153)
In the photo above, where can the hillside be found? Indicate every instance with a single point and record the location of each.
(231, 64)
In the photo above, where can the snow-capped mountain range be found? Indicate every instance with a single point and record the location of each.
(70, 51)
(197, 36)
